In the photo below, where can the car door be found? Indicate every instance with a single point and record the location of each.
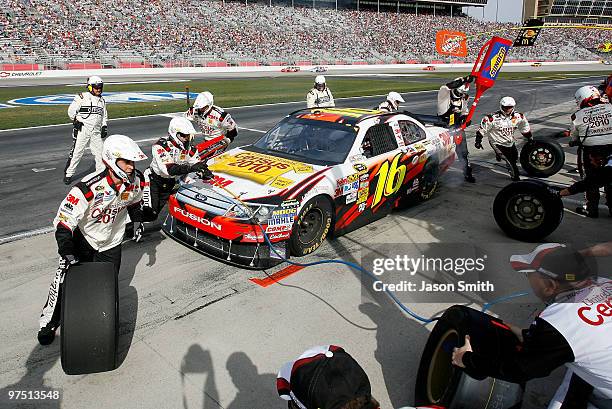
(370, 193)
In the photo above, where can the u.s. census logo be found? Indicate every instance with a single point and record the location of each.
(109, 97)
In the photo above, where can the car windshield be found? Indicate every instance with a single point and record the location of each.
(307, 140)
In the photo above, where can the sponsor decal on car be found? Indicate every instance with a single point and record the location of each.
(282, 218)
(360, 167)
(196, 218)
(259, 168)
(351, 197)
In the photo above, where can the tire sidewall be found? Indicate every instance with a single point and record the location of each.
(553, 210)
(298, 248)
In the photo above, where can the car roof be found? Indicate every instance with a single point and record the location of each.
(350, 116)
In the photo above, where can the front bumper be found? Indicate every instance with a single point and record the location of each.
(252, 256)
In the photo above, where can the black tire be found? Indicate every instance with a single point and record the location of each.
(443, 384)
(90, 320)
(528, 210)
(542, 157)
(311, 226)
(427, 186)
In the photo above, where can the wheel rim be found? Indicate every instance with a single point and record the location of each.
(310, 226)
(441, 368)
(525, 211)
(541, 158)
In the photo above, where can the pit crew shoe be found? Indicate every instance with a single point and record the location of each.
(469, 179)
(46, 335)
(594, 214)
(67, 180)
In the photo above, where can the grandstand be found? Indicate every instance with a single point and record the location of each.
(569, 11)
(61, 34)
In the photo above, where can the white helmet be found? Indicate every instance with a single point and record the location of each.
(320, 82)
(395, 98)
(204, 101)
(586, 94)
(183, 126)
(121, 147)
(507, 102)
(94, 81)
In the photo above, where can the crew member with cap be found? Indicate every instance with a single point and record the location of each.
(453, 108)
(391, 104)
(89, 119)
(591, 130)
(325, 377)
(499, 127)
(574, 329)
(320, 95)
(216, 124)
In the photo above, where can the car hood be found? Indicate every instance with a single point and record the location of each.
(252, 175)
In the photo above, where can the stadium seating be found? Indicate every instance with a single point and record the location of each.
(122, 33)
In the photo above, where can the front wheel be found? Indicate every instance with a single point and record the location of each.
(311, 227)
(542, 157)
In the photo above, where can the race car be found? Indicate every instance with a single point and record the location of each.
(429, 68)
(319, 69)
(536, 64)
(315, 173)
(291, 68)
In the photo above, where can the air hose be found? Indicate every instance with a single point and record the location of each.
(357, 267)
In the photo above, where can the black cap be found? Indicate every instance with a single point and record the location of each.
(558, 261)
(330, 381)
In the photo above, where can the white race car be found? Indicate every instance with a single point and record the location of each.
(318, 171)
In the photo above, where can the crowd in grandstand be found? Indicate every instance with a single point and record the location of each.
(185, 30)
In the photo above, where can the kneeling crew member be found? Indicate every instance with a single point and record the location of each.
(574, 329)
(173, 156)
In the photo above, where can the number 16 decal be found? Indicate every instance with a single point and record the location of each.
(390, 178)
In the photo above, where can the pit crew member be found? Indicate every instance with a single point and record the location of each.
(591, 129)
(172, 156)
(217, 125)
(320, 95)
(391, 104)
(325, 377)
(574, 329)
(91, 220)
(453, 108)
(499, 127)
(89, 118)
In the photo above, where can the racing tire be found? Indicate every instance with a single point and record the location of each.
(90, 319)
(428, 182)
(311, 227)
(542, 157)
(441, 383)
(528, 210)
(427, 186)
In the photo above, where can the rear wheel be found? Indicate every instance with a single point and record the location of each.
(311, 227)
(542, 157)
(89, 323)
(527, 210)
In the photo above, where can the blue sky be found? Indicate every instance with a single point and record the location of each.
(509, 10)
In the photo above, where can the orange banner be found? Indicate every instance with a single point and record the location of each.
(451, 43)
